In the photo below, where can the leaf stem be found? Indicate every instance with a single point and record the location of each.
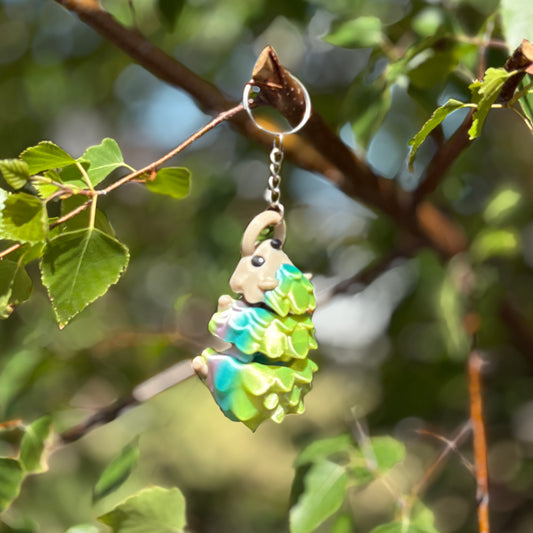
(92, 213)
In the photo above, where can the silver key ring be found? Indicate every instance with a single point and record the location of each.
(246, 100)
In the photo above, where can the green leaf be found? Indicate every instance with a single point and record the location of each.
(170, 11)
(387, 451)
(325, 448)
(78, 267)
(11, 476)
(15, 373)
(103, 158)
(450, 307)
(15, 286)
(24, 219)
(362, 32)
(32, 446)
(154, 509)
(495, 243)
(526, 103)
(171, 181)
(325, 487)
(423, 518)
(45, 156)
(501, 205)
(117, 471)
(398, 527)
(83, 528)
(434, 69)
(517, 21)
(436, 118)
(15, 172)
(44, 189)
(343, 524)
(72, 175)
(484, 94)
(83, 219)
(367, 105)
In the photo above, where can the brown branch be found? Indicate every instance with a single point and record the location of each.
(221, 117)
(521, 60)
(12, 248)
(141, 393)
(475, 365)
(324, 152)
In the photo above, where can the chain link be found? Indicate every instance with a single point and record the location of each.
(274, 180)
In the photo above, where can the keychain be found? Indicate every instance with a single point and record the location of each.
(263, 372)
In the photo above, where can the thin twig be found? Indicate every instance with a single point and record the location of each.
(324, 152)
(141, 393)
(451, 446)
(12, 248)
(475, 364)
(221, 117)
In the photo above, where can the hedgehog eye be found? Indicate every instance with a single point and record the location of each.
(258, 261)
(275, 243)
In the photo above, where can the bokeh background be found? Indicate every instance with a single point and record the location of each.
(392, 354)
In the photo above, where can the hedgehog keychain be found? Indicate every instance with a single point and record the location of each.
(263, 372)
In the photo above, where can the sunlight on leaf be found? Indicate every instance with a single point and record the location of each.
(484, 94)
(517, 21)
(362, 32)
(83, 528)
(387, 451)
(103, 158)
(501, 205)
(436, 118)
(32, 447)
(11, 476)
(154, 509)
(324, 448)
(495, 243)
(45, 156)
(15, 172)
(325, 487)
(400, 527)
(24, 219)
(171, 181)
(78, 267)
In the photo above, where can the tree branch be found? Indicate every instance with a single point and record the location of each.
(141, 393)
(323, 152)
(475, 365)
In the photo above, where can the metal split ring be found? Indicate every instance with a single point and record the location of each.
(307, 112)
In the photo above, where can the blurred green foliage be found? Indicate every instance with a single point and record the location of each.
(392, 354)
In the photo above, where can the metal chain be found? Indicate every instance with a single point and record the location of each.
(274, 180)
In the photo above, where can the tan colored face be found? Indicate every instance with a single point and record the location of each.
(256, 273)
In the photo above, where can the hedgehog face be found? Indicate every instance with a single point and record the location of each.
(255, 274)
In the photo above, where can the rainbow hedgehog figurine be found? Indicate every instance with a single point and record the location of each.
(263, 372)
